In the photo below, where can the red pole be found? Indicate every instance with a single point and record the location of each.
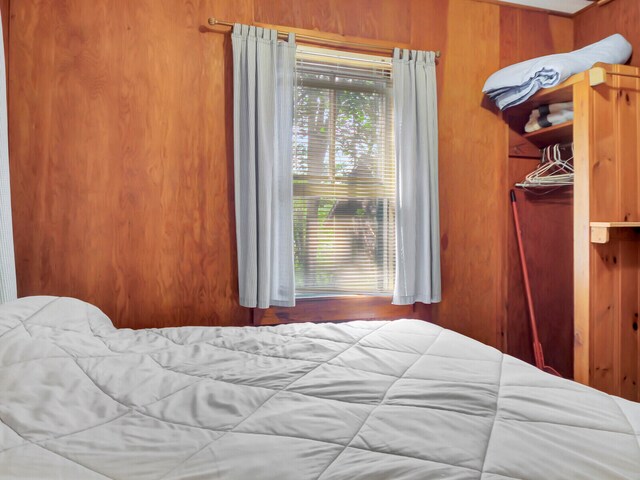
(538, 354)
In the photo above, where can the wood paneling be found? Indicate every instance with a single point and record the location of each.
(121, 147)
(546, 221)
(608, 275)
(377, 19)
(121, 165)
(619, 16)
(519, 27)
(547, 231)
(471, 170)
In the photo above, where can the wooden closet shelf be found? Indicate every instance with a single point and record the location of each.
(558, 94)
(544, 137)
(600, 230)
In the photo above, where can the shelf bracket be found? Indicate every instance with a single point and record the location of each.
(597, 76)
(600, 230)
(599, 234)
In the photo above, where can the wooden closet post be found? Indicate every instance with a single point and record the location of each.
(582, 147)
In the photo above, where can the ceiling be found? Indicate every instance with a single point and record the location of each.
(564, 6)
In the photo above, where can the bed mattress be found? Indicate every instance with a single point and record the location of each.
(359, 400)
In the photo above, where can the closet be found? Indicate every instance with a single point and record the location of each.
(584, 241)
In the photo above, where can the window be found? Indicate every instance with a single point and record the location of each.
(344, 185)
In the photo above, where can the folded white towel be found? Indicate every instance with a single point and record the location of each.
(515, 84)
(551, 108)
(537, 122)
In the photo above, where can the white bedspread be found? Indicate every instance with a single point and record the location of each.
(359, 400)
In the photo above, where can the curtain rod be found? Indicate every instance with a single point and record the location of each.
(319, 40)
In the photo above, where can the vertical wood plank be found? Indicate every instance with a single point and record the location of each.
(605, 271)
(627, 146)
(620, 16)
(605, 312)
(605, 165)
(628, 152)
(628, 353)
(583, 146)
(472, 167)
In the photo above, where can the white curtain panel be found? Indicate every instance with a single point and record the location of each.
(263, 81)
(8, 290)
(416, 143)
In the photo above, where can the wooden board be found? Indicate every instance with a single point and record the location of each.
(336, 309)
(583, 146)
(544, 137)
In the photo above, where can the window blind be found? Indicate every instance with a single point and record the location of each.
(344, 174)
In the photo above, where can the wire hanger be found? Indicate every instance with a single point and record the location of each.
(554, 171)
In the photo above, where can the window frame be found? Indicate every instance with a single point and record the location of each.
(388, 260)
(337, 309)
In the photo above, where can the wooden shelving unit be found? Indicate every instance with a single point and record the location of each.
(528, 145)
(607, 247)
(548, 239)
(600, 231)
(562, 133)
(558, 94)
(606, 218)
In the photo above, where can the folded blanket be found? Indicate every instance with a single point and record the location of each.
(551, 108)
(515, 84)
(538, 122)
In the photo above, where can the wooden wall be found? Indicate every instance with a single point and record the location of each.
(477, 39)
(121, 159)
(121, 148)
(546, 221)
(618, 16)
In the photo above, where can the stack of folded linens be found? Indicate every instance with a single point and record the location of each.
(549, 115)
(515, 84)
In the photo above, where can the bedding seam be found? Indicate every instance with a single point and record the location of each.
(376, 407)
(52, 451)
(264, 403)
(156, 331)
(210, 343)
(203, 378)
(41, 309)
(633, 431)
(495, 418)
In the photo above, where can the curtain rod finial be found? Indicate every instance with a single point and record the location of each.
(212, 21)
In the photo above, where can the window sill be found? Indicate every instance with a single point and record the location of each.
(338, 309)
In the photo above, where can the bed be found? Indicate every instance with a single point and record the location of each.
(360, 400)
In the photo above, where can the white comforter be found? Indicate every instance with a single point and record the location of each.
(360, 400)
